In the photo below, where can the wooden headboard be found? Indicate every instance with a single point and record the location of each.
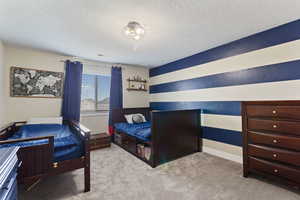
(118, 114)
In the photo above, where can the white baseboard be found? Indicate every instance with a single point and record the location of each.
(222, 154)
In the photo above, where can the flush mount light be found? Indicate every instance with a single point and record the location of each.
(134, 30)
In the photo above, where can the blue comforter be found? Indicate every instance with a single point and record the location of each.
(141, 131)
(66, 144)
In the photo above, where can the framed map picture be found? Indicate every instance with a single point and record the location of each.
(26, 82)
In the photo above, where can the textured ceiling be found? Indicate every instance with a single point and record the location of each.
(174, 28)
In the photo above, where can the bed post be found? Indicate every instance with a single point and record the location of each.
(85, 134)
(87, 167)
(200, 141)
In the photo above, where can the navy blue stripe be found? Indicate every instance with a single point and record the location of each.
(278, 35)
(269, 73)
(207, 107)
(223, 135)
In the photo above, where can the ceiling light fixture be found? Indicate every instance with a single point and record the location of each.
(134, 30)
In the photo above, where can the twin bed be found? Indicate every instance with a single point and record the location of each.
(66, 144)
(167, 134)
(49, 149)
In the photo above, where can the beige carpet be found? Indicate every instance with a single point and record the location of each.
(117, 175)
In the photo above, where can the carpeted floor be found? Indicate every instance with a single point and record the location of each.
(117, 175)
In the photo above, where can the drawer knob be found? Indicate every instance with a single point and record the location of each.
(276, 170)
(274, 126)
(274, 155)
(274, 112)
(275, 141)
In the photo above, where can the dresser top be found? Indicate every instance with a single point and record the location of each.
(282, 103)
(6, 153)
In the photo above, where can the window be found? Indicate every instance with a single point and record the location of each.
(95, 93)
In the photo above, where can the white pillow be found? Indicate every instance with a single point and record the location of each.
(45, 120)
(134, 118)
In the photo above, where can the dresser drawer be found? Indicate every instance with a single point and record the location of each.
(280, 141)
(93, 143)
(102, 140)
(289, 157)
(289, 112)
(274, 125)
(9, 191)
(8, 172)
(280, 170)
(99, 144)
(96, 144)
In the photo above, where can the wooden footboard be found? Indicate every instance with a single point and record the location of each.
(37, 160)
(175, 134)
(84, 133)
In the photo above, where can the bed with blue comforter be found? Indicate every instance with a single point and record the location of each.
(67, 145)
(141, 131)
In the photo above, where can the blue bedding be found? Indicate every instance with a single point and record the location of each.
(66, 144)
(141, 131)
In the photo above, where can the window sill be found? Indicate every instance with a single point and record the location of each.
(92, 114)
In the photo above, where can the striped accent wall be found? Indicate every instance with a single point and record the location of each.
(263, 66)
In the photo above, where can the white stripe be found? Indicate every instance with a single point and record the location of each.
(222, 121)
(283, 90)
(226, 151)
(222, 154)
(276, 54)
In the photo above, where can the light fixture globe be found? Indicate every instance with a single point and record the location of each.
(134, 30)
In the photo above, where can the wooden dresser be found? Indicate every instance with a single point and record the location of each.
(271, 140)
(8, 173)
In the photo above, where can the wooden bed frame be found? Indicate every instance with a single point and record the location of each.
(174, 134)
(37, 160)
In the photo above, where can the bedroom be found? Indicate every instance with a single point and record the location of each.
(215, 82)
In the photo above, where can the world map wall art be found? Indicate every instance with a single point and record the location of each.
(25, 82)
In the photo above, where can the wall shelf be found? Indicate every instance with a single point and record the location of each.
(139, 81)
(135, 89)
(137, 84)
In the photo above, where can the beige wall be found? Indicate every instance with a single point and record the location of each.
(2, 101)
(25, 108)
(133, 99)
(99, 122)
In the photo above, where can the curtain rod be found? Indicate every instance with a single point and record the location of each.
(109, 65)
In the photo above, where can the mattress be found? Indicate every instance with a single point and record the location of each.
(141, 131)
(66, 144)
